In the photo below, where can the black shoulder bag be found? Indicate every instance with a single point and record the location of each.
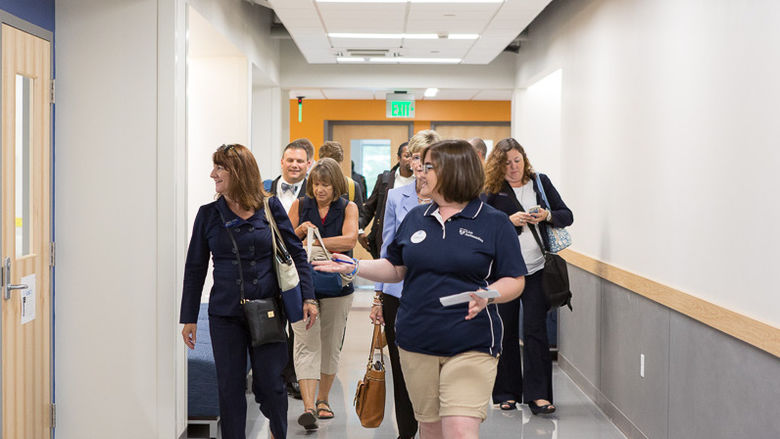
(262, 315)
(555, 277)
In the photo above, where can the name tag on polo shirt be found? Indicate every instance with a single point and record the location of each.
(465, 296)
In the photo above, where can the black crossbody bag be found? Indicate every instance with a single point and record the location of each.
(555, 276)
(266, 322)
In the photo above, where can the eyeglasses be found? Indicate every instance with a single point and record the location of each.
(427, 167)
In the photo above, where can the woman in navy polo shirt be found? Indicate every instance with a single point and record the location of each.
(510, 186)
(239, 206)
(455, 244)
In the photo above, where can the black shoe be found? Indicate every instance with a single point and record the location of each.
(541, 409)
(294, 390)
(308, 420)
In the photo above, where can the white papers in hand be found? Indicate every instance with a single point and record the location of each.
(466, 296)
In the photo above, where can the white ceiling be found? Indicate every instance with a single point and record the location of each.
(497, 23)
(368, 94)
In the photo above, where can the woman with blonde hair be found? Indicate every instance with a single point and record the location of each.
(511, 187)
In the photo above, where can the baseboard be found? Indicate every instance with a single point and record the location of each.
(612, 412)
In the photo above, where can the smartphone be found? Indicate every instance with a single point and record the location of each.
(534, 209)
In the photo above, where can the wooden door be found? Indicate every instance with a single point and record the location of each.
(345, 133)
(26, 236)
(492, 133)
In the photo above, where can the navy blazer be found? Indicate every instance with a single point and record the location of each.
(506, 201)
(253, 236)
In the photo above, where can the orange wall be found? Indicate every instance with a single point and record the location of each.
(316, 112)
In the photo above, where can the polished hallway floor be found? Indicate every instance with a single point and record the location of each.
(577, 416)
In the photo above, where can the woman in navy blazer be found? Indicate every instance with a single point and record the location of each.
(510, 186)
(239, 206)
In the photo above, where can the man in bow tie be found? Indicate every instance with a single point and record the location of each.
(296, 160)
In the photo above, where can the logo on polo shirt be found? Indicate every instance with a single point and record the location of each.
(418, 237)
(470, 234)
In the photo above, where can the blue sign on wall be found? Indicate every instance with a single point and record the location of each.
(37, 12)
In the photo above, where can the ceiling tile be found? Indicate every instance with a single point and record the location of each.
(332, 93)
(493, 95)
(310, 93)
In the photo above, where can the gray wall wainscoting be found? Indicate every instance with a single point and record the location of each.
(698, 383)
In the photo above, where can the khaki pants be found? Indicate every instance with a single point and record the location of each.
(318, 350)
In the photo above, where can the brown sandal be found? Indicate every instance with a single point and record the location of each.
(327, 410)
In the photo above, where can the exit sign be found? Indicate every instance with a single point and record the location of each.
(399, 105)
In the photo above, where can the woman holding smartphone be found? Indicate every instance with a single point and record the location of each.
(511, 186)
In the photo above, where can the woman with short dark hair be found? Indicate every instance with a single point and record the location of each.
(511, 187)
(455, 244)
(239, 210)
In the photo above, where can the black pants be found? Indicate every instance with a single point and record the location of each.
(404, 413)
(289, 369)
(536, 380)
(230, 341)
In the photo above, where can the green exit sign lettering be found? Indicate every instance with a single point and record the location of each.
(402, 109)
(399, 105)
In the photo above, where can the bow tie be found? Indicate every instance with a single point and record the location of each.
(289, 188)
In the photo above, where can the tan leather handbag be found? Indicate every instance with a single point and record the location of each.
(370, 395)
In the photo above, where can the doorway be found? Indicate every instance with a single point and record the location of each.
(373, 146)
(25, 259)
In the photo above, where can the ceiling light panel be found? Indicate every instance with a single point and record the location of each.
(404, 60)
(372, 17)
(453, 94)
(450, 18)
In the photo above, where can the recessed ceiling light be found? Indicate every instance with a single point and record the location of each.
(402, 60)
(350, 59)
(431, 92)
(384, 36)
(410, 1)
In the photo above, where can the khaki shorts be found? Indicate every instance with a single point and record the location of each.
(449, 386)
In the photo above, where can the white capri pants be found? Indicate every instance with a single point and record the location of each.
(318, 350)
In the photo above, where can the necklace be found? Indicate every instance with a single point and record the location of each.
(421, 200)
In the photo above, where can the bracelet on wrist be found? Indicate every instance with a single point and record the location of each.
(311, 302)
(356, 269)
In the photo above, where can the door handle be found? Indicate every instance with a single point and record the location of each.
(5, 278)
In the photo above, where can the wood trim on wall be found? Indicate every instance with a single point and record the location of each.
(749, 330)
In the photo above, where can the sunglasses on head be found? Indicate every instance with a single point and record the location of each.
(226, 148)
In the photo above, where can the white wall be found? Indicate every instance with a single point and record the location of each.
(267, 134)
(669, 151)
(119, 170)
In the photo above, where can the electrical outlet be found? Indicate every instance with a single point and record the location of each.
(642, 365)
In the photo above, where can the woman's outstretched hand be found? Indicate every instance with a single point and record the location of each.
(338, 264)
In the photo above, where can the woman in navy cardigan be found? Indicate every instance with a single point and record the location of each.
(510, 186)
(239, 206)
